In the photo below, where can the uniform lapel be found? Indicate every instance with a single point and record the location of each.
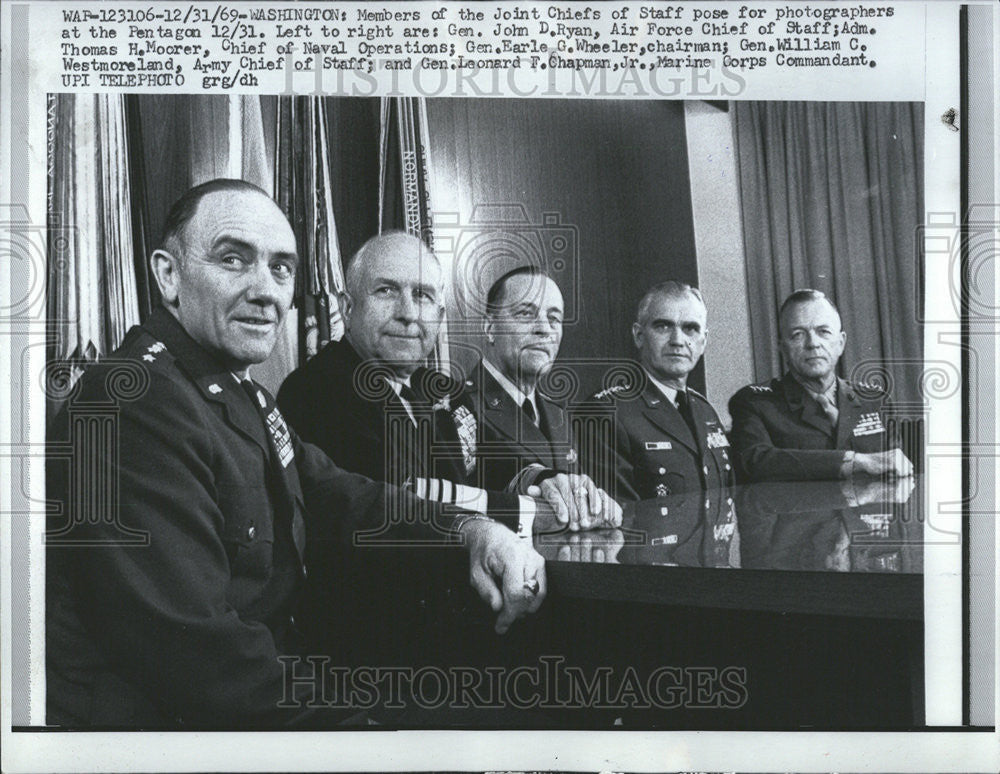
(217, 386)
(662, 413)
(803, 406)
(505, 417)
(213, 380)
(286, 476)
(847, 408)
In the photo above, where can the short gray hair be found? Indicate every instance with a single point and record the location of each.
(670, 289)
(804, 296)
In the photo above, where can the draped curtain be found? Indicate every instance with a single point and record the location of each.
(831, 197)
(91, 290)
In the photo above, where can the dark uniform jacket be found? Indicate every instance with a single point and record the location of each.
(393, 596)
(780, 432)
(512, 449)
(175, 549)
(346, 407)
(652, 451)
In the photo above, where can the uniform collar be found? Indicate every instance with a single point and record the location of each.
(830, 392)
(510, 388)
(195, 359)
(670, 393)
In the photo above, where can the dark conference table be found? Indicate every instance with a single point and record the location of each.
(813, 590)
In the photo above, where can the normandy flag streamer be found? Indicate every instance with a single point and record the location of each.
(404, 183)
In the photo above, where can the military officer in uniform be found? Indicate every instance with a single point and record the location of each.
(346, 397)
(667, 437)
(810, 424)
(175, 552)
(526, 437)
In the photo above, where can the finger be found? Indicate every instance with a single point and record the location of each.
(616, 511)
(516, 597)
(599, 555)
(555, 500)
(580, 502)
(564, 554)
(562, 485)
(612, 510)
(534, 491)
(597, 504)
(539, 576)
(483, 583)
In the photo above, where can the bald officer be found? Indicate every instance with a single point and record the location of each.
(668, 438)
(810, 424)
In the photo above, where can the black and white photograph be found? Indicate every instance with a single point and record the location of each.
(448, 413)
(501, 307)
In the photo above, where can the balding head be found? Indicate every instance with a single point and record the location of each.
(395, 301)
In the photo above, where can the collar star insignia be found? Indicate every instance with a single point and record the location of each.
(148, 358)
(571, 456)
(214, 389)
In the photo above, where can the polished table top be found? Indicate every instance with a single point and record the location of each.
(830, 547)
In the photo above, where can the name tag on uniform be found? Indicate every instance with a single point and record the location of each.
(869, 424)
(658, 445)
(717, 440)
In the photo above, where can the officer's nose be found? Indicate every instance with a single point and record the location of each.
(406, 308)
(263, 288)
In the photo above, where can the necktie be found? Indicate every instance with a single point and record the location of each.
(407, 393)
(684, 407)
(529, 412)
(828, 406)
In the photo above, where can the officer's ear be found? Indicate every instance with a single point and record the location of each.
(166, 267)
(637, 334)
(488, 329)
(346, 305)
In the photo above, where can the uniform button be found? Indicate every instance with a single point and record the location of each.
(705, 469)
(251, 532)
(725, 454)
(664, 510)
(728, 466)
(663, 471)
(708, 503)
(305, 572)
(729, 501)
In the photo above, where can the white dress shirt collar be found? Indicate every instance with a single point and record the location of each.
(670, 393)
(510, 388)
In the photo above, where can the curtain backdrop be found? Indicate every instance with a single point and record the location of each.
(91, 290)
(831, 199)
